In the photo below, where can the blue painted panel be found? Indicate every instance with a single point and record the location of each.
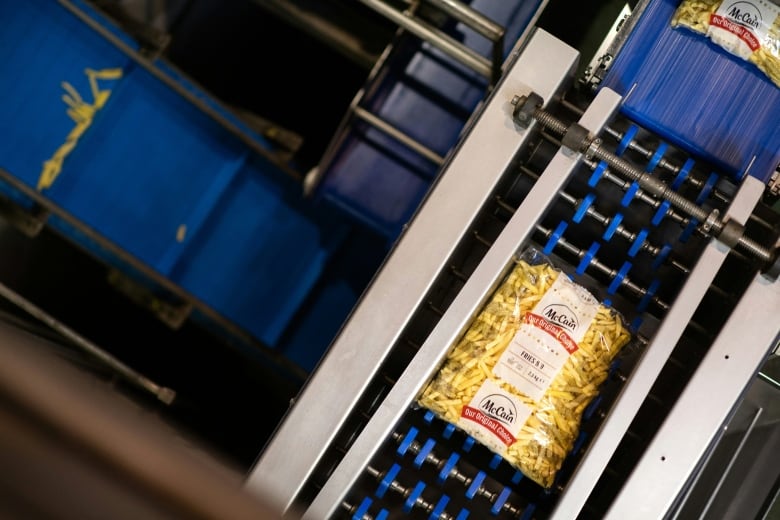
(261, 252)
(142, 167)
(158, 177)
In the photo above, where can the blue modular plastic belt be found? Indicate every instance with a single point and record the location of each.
(613, 225)
(439, 509)
(463, 515)
(629, 195)
(579, 442)
(384, 514)
(449, 429)
(707, 189)
(407, 441)
(682, 174)
(468, 444)
(651, 290)
(662, 255)
(583, 206)
(586, 260)
(413, 496)
(387, 480)
(627, 138)
(598, 172)
(657, 156)
(475, 484)
(661, 212)
(689, 229)
(613, 367)
(448, 467)
(591, 408)
(426, 449)
(638, 241)
(429, 416)
(618, 280)
(554, 237)
(636, 323)
(517, 477)
(529, 511)
(362, 509)
(495, 461)
(500, 501)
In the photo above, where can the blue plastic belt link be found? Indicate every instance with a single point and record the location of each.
(388, 479)
(682, 175)
(648, 296)
(618, 280)
(614, 222)
(707, 189)
(423, 454)
(657, 156)
(475, 484)
(588, 258)
(663, 254)
(407, 441)
(554, 237)
(439, 509)
(626, 140)
(447, 468)
(498, 505)
(661, 212)
(413, 496)
(598, 172)
(638, 241)
(629, 195)
(362, 509)
(582, 207)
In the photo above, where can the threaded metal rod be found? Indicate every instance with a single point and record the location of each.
(593, 148)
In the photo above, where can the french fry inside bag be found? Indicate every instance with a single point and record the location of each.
(749, 30)
(529, 364)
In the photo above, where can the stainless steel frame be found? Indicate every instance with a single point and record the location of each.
(656, 355)
(545, 67)
(473, 295)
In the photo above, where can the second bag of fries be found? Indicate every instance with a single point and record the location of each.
(529, 364)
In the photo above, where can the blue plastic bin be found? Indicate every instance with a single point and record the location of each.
(156, 175)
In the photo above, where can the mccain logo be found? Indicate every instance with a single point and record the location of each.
(561, 315)
(499, 407)
(745, 13)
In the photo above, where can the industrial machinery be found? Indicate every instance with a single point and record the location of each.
(651, 182)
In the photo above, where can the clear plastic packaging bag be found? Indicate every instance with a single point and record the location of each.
(529, 364)
(749, 30)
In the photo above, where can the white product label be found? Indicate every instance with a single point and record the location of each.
(547, 337)
(742, 26)
(494, 417)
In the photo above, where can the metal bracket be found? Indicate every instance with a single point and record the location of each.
(172, 315)
(30, 222)
(525, 107)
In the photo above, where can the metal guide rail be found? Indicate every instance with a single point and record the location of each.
(663, 238)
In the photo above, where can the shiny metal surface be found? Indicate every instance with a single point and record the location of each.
(656, 354)
(477, 289)
(706, 404)
(440, 223)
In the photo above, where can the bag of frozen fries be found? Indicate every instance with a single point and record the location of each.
(527, 366)
(749, 30)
